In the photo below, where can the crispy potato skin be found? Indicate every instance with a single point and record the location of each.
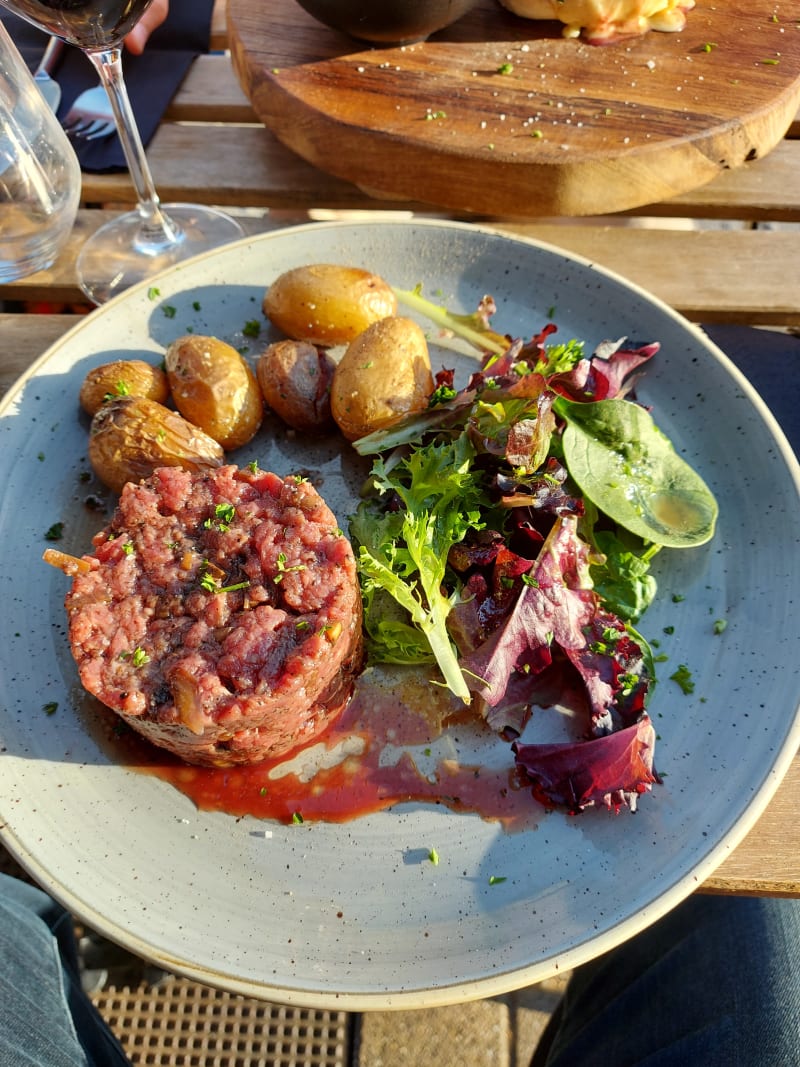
(122, 377)
(213, 387)
(295, 379)
(131, 436)
(384, 375)
(326, 304)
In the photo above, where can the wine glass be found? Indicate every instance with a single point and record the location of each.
(141, 242)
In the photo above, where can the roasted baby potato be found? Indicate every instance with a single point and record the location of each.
(131, 436)
(213, 387)
(122, 377)
(326, 304)
(295, 379)
(384, 374)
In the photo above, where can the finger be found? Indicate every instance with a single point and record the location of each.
(152, 18)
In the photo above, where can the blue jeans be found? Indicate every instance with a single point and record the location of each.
(713, 984)
(46, 1020)
(716, 983)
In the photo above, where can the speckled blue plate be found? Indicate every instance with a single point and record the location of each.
(352, 916)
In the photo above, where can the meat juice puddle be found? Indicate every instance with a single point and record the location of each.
(401, 739)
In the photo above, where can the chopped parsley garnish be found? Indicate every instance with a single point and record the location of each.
(497, 879)
(720, 625)
(433, 856)
(252, 328)
(169, 311)
(282, 569)
(55, 533)
(50, 708)
(153, 293)
(225, 514)
(138, 657)
(120, 389)
(683, 678)
(209, 583)
(297, 818)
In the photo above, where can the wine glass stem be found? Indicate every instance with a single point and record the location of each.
(158, 231)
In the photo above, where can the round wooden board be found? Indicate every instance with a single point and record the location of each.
(500, 115)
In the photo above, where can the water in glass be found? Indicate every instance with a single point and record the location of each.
(40, 178)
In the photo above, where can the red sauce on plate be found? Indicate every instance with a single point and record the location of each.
(401, 739)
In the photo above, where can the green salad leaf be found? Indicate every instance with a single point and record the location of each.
(403, 551)
(473, 328)
(629, 469)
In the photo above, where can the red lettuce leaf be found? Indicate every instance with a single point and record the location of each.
(603, 376)
(612, 770)
(554, 608)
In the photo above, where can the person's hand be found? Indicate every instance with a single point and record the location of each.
(150, 20)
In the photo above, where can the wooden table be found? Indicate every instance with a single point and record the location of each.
(725, 253)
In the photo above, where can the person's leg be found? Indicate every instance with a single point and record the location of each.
(46, 1020)
(715, 983)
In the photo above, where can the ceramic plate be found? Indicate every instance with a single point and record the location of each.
(354, 915)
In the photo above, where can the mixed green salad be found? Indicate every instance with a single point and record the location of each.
(507, 535)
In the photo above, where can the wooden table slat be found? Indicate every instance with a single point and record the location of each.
(247, 166)
(736, 276)
(771, 847)
(209, 93)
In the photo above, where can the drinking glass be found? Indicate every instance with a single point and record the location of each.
(40, 179)
(142, 242)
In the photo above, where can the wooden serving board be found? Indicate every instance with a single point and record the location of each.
(569, 129)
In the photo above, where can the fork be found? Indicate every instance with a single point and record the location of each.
(49, 88)
(90, 116)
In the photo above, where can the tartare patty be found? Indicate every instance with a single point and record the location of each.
(220, 615)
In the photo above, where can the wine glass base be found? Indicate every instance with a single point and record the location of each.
(122, 253)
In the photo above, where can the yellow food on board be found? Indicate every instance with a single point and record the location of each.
(603, 20)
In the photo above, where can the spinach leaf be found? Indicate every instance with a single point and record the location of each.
(629, 469)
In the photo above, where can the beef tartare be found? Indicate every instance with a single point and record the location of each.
(220, 614)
